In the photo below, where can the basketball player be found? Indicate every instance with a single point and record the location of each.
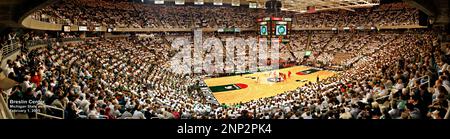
(275, 75)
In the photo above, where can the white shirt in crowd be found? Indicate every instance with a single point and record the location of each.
(93, 114)
(399, 86)
(138, 115)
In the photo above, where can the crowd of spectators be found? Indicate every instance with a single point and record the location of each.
(389, 74)
(139, 15)
(395, 14)
(130, 78)
(103, 79)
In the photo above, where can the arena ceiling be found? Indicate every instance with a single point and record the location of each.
(301, 5)
(437, 9)
(292, 5)
(12, 10)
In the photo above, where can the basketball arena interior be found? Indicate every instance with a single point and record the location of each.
(224, 59)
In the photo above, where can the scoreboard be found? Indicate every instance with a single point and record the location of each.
(280, 30)
(263, 29)
(275, 27)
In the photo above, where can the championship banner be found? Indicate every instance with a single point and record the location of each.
(179, 2)
(235, 3)
(159, 1)
(218, 2)
(199, 2)
(253, 5)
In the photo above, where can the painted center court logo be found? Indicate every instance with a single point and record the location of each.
(306, 72)
(228, 87)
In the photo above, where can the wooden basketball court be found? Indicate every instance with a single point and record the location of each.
(235, 89)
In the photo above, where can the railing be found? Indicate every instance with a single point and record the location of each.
(9, 49)
(6, 51)
(38, 42)
(44, 109)
(5, 113)
(43, 42)
(427, 80)
(15, 46)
